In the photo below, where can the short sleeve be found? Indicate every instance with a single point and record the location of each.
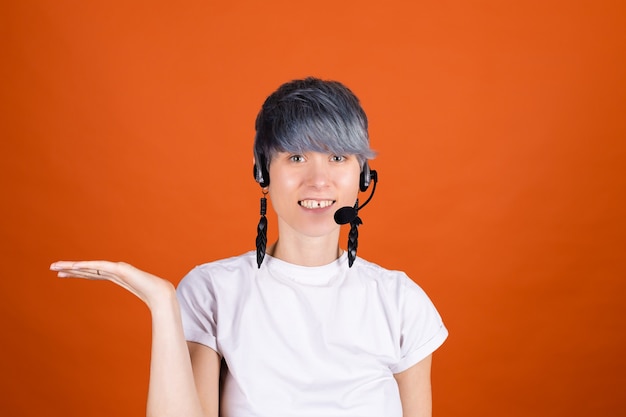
(198, 308)
(422, 330)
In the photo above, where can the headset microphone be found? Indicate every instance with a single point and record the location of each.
(347, 214)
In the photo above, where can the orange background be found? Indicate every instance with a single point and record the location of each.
(127, 132)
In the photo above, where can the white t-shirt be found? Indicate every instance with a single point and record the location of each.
(309, 341)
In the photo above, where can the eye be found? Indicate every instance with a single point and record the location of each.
(338, 158)
(296, 158)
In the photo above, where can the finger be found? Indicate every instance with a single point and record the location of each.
(117, 272)
(97, 267)
(84, 265)
(96, 274)
(86, 273)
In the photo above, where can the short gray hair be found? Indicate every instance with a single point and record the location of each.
(312, 115)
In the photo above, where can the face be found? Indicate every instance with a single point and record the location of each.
(306, 190)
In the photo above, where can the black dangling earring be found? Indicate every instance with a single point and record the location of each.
(353, 237)
(261, 232)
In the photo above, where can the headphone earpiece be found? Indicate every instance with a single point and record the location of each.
(366, 177)
(259, 170)
(262, 175)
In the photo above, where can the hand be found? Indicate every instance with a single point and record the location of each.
(145, 286)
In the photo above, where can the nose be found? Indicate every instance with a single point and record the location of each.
(317, 172)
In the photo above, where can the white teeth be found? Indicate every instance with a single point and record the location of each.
(314, 204)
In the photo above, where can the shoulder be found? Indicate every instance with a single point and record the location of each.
(245, 261)
(392, 280)
(227, 269)
(370, 271)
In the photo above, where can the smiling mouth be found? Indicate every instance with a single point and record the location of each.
(316, 204)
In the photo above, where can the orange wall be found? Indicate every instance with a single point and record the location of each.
(126, 134)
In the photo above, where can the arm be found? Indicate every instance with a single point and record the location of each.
(415, 389)
(172, 389)
(206, 365)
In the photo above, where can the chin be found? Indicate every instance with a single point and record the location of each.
(317, 228)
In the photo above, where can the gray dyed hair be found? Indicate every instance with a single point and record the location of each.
(312, 115)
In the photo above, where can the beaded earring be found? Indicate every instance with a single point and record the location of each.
(353, 237)
(261, 232)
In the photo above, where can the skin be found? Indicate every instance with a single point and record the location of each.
(172, 389)
(310, 237)
(184, 376)
(415, 389)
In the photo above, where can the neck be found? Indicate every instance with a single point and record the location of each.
(307, 251)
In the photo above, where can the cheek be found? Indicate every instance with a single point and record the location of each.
(280, 182)
(350, 183)
(281, 186)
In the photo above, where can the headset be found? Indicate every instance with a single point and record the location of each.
(259, 170)
(344, 215)
(262, 175)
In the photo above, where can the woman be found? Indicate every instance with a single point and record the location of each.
(300, 328)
